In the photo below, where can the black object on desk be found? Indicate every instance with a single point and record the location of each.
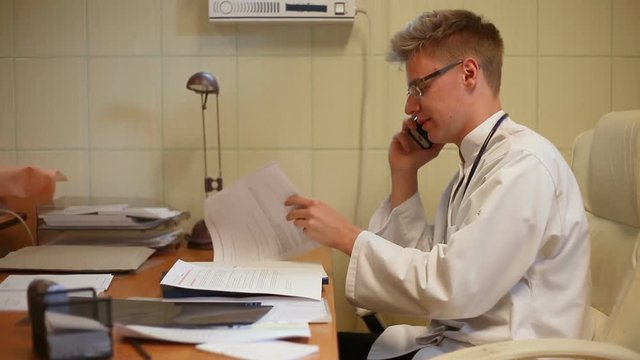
(186, 314)
(68, 327)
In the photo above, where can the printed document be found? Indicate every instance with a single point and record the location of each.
(247, 221)
(245, 279)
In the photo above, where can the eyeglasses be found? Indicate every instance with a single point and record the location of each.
(416, 86)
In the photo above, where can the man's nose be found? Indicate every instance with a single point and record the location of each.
(411, 105)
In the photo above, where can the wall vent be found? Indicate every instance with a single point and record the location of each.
(281, 10)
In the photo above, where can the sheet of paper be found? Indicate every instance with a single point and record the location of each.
(271, 264)
(264, 350)
(247, 221)
(13, 290)
(13, 301)
(228, 335)
(100, 282)
(245, 279)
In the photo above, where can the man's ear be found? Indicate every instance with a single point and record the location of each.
(471, 71)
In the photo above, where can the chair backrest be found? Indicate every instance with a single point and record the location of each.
(606, 162)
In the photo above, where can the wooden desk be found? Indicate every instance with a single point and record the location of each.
(15, 339)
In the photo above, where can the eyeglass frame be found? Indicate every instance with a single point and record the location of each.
(416, 86)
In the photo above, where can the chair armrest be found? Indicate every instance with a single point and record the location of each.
(372, 320)
(551, 347)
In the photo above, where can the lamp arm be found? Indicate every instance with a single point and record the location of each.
(219, 180)
(207, 185)
(208, 182)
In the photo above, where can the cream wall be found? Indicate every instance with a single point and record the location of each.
(97, 89)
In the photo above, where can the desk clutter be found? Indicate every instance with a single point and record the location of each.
(243, 304)
(105, 221)
(249, 308)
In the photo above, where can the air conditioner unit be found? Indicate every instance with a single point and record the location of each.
(282, 10)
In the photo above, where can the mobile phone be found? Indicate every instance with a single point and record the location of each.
(419, 135)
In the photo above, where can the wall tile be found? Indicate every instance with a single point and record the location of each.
(135, 174)
(377, 14)
(7, 109)
(625, 92)
(296, 164)
(50, 28)
(376, 184)
(336, 180)
(184, 179)
(337, 96)
(74, 164)
(275, 107)
(575, 27)
(519, 89)
(52, 114)
(382, 113)
(341, 39)
(626, 27)
(569, 104)
(274, 39)
(519, 33)
(124, 98)
(395, 98)
(6, 28)
(8, 158)
(119, 27)
(443, 4)
(401, 13)
(359, 37)
(186, 30)
(182, 116)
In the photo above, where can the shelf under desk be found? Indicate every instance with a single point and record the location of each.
(16, 339)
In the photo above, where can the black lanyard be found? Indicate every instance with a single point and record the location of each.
(483, 148)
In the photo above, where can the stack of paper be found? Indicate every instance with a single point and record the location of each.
(114, 215)
(150, 238)
(13, 290)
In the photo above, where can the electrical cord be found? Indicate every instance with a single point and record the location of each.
(17, 216)
(362, 128)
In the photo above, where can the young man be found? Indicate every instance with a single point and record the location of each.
(508, 254)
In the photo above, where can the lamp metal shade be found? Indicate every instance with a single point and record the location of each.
(203, 83)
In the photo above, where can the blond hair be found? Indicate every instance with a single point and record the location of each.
(450, 35)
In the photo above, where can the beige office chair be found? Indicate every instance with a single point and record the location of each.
(606, 162)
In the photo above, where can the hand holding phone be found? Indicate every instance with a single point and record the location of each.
(419, 135)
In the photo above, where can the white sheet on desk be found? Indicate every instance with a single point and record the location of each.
(99, 282)
(265, 350)
(228, 335)
(13, 301)
(13, 290)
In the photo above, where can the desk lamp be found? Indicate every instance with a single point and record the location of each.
(204, 83)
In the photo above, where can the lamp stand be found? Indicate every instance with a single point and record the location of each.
(200, 237)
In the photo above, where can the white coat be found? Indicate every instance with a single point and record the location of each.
(509, 259)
